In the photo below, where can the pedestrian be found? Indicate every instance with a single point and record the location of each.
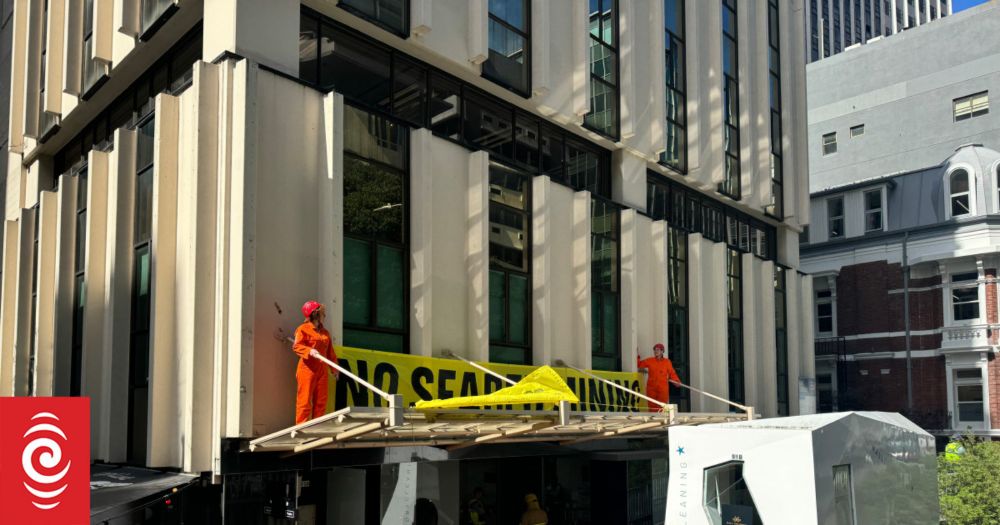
(660, 370)
(312, 341)
(476, 508)
(534, 515)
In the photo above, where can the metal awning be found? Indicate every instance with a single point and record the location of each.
(365, 427)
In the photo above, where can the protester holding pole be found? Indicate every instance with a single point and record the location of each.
(312, 341)
(660, 371)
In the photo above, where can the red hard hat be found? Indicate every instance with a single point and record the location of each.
(657, 346)
(309, 307)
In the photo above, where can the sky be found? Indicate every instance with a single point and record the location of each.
(965, 4)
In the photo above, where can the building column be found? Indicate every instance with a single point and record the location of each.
(477, 256)
(65, 271)
(92, 365)
(270, 36)
(117, 302)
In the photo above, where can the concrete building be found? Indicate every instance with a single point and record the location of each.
(6, 39)
(838, 25)
(517, 183)
(904, 160)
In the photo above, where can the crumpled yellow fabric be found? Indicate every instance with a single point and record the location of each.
(540, 386)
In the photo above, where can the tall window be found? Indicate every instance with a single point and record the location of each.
(776, 207)
(675, 154)
(46, 121)
(376, 203)
(969, 395)
(605, 224)
(873, 210)
(139, 342)
(33, 315)
(392, 15)
(509, 63)
(510, 270)
(734, 310)
(835, 216)
(604, 103)
(960, 194)
(781, 338)
(677, 311)
(824, 312)
(730, 100)
(93, 70)
(965, 296)
(971, 106)
(79, 290)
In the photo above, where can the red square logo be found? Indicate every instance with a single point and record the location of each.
(45, 459)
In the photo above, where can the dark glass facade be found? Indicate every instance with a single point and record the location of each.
(675, 154)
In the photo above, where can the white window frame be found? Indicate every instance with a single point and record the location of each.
(824, 143)
(971, 174)
(956, 383)
(995, 170)
(830, 285)
(970, 101)
(857, 131)
(830, 218)
(949, 285)
(880, 210)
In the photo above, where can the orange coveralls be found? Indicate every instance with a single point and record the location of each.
(310, 397)
(660, 370)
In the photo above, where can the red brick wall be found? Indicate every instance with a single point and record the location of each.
(864, 304)
(876, 391)
(993, 376)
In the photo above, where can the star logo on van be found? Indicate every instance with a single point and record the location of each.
(680, 451)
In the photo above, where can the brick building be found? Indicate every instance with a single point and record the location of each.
(947, 217)
(904, 154)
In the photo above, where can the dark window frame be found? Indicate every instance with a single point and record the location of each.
(526, 35)
(161, 12)
(732, 187)
(403, 32)
(404, 247)
(33, 315)
(613, 49)
(734, 327)
(677, 42)
(694, 212)
(79, 285)
(466, 95)
(614, 290)
(776, 208)
(137, 331)
(527, 348)
(781, 338)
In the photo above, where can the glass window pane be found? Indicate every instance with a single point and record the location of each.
(970, 393)
(389, 290)
(374, 137)
(959, 181)
(382, 341)
(498, 310)
(308, 49)
(357, 69)
(144, 206)
(510, 11)
(357, 282)
(373, 201)
(508, 60)
(489, 126)
(520, 302)
(444, 108)
(409, 91)
(609, 319)
(970, 411)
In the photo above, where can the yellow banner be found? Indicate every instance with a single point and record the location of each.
(426, 378)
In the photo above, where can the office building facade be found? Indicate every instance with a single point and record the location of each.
(513, 182)
(836, 25)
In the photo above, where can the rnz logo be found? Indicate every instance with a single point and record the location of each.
(45, 460)
(43, 453)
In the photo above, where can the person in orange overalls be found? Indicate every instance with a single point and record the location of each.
(660, 371)
(311, 341)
